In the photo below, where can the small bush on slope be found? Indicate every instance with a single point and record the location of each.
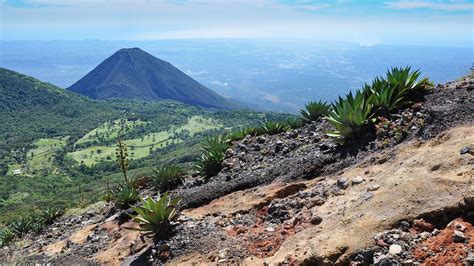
(22, 226)
(294, 123)
(155, 216)
(124, 195)
(350, 116)
(210, 162)
(272, 128)
(315, 110)
(6, 237)
(396, 90)
(167, 177)
(50, 214)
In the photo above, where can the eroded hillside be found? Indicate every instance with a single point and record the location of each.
(300, 197)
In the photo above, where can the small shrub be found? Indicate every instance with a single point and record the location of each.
(294, 123)
(6, 237)
(21, 226)
(236, 135)
(350, 116)
(124, 195)
(155, 216)
(37, 225)
(210, 162)
(315, 110)
(50, 214)
(272, 128)
(167, 177)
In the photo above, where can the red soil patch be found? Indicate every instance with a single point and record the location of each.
(441, 249)
(264, 243)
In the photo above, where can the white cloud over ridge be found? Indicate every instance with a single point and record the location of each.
(448, 6)
(180, 19)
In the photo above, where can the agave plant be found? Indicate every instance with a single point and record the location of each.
(21, 226)
(155, 216)
(167, 177)
(272, 127)
(37, 225)
(404, 79)
(396, 90)
(315, 110)
(6, 237)
(294, 123)
(50, 214)
(210, 162)
(350, 115)
(383, 96)
(237, 135)
(124, 195)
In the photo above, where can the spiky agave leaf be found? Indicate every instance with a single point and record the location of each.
(210, 162)
(315, 110)
(273, 127)
(350, 115)
(167, 176)
(154, 216)
(294, 123)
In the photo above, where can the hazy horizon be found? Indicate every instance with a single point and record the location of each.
(391, 22)
(268, 74)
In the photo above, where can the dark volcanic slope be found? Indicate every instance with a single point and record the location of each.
(134, 74)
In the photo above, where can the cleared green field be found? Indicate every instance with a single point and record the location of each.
(42, 157)
(108, 131)
(142, 147)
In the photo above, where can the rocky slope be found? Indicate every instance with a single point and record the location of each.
(300, 198)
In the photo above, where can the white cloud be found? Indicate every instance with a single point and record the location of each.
(451, 6)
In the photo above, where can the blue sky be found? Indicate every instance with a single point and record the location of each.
(439, 23)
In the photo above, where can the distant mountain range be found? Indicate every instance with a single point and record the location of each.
(135, 74)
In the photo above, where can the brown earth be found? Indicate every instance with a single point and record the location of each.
(442, 249)
(418, 179)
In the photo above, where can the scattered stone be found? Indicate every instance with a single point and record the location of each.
(373, 188)
(342, 183)
(460, 227)
(367, 196)
(316, 219)
(405, 226)
(458, 236)
(229, 153)
(222, 253)
(395, 249)
(470, 259)
(357, 180)
(465, 150)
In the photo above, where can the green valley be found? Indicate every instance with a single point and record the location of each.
(66, 151)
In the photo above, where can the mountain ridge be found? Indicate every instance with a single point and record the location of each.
(135, 74)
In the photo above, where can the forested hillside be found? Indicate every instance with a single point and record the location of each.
(57, 147)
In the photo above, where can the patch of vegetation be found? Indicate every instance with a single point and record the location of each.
(167, 177)
(351, 116)
(6, 237)
(273, 127)
(124, 195)
(315, 110)
(155, 216)
(294, 122)
(210, 162)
